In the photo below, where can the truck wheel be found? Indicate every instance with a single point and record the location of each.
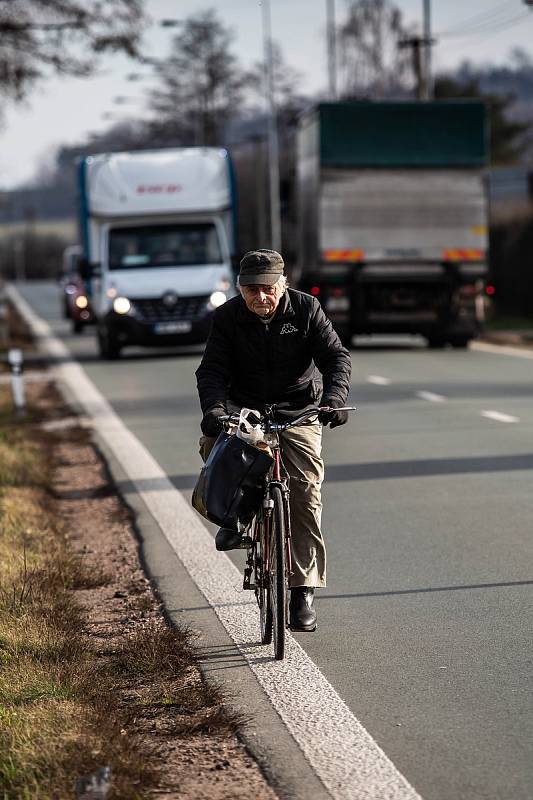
(107, 344)
(436, 342)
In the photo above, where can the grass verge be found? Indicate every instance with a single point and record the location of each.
(509, 322)
(67, 708)
(56, 702)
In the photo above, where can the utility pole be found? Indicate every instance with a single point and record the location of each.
(332, 48)
(273, 147)
(421, 47)
(19, 252)
(428, 78)
(415, 43)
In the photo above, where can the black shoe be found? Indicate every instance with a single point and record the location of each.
(301, 611)
(230, 539)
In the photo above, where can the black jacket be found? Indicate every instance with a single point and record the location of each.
(296, 360)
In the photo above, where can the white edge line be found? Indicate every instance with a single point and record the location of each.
(503, 350)
(342, 753)
(379, 380)
(499, 417)
(431, 397)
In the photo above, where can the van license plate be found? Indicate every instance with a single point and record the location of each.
(184, 326)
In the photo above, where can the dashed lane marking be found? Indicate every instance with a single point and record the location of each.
(499, 417)
(350, 764)
(379, 380)
(431, 397)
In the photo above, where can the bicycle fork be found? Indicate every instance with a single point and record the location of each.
(251, 565)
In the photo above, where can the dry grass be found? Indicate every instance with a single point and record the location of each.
(67, 708)
(18, 331)
(56, 700)
(54, 697)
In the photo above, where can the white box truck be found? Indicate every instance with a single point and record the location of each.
(158, 239)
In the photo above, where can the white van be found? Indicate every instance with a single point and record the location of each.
(158, 239)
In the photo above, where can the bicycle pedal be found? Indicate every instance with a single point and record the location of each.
(247, 580)
(246, 542)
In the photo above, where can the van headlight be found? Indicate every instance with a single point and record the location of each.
(121, 305)
(217, 299)
(81, 301)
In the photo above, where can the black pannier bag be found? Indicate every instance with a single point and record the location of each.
(230, 485)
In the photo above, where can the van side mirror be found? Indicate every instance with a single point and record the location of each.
(89, 270)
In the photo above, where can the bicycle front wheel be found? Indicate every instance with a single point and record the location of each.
(262, 590)
(278, 573)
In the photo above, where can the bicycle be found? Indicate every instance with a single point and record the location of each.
(268, 535)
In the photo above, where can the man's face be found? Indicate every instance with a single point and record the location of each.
(262, 299)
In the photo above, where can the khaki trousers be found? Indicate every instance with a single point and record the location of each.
(301, 455)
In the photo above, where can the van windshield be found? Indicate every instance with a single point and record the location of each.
(182, 245)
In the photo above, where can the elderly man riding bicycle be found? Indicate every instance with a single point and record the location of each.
(272, 345)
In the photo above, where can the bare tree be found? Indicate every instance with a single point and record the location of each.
(202, 84)
(371, 62)
(39, 38)
(286, 81)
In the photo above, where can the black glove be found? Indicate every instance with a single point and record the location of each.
(211, 423)
(332, 418)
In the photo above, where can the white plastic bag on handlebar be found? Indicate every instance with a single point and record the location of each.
(249, 427)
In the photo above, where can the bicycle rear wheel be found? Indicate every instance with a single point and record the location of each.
(261, 585)
(277, 573)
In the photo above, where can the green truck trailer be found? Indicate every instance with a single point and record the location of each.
(392, 217)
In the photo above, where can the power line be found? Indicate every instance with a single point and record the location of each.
(480, 17)
(488, 29)
(489, 17)
(510, 24)
(456, 44)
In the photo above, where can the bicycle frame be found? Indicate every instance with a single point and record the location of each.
(263, 517)
(277, 480)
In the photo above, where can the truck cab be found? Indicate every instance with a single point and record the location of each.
(157, 228)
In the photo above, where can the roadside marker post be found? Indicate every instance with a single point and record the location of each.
(3, 316)
(16, 362)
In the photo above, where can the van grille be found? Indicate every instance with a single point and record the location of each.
(154, 310)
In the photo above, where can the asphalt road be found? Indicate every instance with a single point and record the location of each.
(426, 627)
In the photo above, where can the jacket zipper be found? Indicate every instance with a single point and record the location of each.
(267, 360)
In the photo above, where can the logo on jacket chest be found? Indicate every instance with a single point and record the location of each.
(288, 328)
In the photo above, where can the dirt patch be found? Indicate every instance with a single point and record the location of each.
(522, 339)
(180, 724)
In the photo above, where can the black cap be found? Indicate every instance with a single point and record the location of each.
(261, 266)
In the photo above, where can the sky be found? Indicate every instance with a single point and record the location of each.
(64, 111)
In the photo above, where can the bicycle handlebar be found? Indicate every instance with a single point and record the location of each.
(279, 427)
